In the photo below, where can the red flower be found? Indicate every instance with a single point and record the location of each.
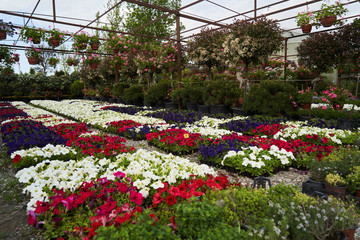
(136, 198)
(157, 199)
(31, 218)
(170, 200)
(17, 158)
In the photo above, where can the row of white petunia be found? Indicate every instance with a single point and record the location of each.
(147, 169)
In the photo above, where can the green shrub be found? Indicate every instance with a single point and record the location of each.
(219, 92)
(158, 93)
(202, 220)
(119, 88)
(143, 229)
(134, 93)
(76, 89)
(269, 98)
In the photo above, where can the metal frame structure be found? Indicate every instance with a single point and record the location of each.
(167, 12)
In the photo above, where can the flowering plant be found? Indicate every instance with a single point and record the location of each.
(94, 39)
(7, 27)
(257, 161)
(177, 141)
(55, 34)
(326, 10)
(337, 97)
(304, 18)
(32, 35)
(306, 96)
(81, 37)
(33, 52)
(72, 61)
(53, 61)
(91, 59)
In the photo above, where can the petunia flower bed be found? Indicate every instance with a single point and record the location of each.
(177, 141)
(32, 156)
(257, 161)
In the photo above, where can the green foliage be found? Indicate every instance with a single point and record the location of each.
(202, 220)
(119, 88)
(145, 228)
(221, 92)
(133, 93)
(241, 204)
(353, 180)
(139, 15)
(321, 51)
(269, 98)
(76, 89)
(158, 93)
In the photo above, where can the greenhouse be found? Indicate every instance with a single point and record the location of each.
(180, 119)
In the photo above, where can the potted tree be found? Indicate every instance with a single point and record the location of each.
(328, 14)
(335, 184)
(303, 20)
(34, 55)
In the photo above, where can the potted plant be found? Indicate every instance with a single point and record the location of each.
(53, 61)
(6, 29)
(94, 42)
(337, 97)
(80, 40)
(71, 61)
(16, 57)
(303, 20)
(92, 60)
(304, 98)
(104, 92)
(32, 35)
(353, 181)
(118, 91)
(34, 55)
(350, 221)
(55, 37)
(328, 14)
(5, 53)
(335, 184)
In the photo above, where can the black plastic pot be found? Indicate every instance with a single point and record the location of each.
(347, 124)
(203, 108)
(238, 111)
(170, 105)
(191, 106)
(218, 109)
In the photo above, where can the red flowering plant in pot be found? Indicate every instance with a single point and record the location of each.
(177, 141)
(34, 55)
(304, 20)
(304, 98)
(329, 14)
(81, 40)
(78, 214)
(92, 60)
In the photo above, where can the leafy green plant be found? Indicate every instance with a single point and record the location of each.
(32, 35)
(53, 61)
(353, 180)
(33, 52)
(55, 34)
(304, 18)
(134, 93)
(334, 180)
(119, 88)
(270, 98)
(76, 88)
(158, 93)
(327, 10)
(7, 27)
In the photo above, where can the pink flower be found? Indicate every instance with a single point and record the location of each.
(323, 107)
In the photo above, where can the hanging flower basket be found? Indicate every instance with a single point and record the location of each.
(306, 28)
(16, 58)
(54, 42)
(82, 46)
(145, 52)
(94, 46)
(2, 35)
(69, 63)
(134, 51)
(36, 41)
(327, 21)
(171, 69)
(93, 65)
(33, 60)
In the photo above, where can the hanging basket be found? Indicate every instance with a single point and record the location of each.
(33, 60)
(75, 63)
(327, 21)
(306, 28)
(54, 42)
(94, 46)
(2, 35)
(93, 65)
(36, 41)
(134, 51)
(16, 58)
(171, 69)
(82, 46)
(70, 63)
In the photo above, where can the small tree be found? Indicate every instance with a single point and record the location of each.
(206, 48)
(349, 36)
(320, 51)
(252, 41)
